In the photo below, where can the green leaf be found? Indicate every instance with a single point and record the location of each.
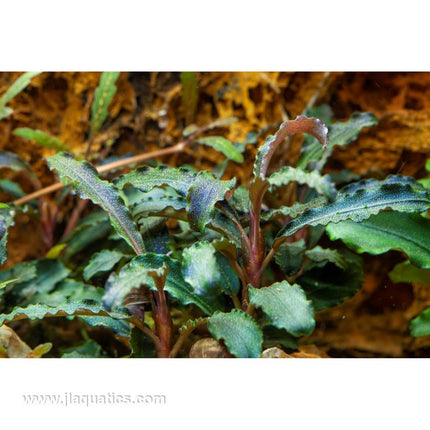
(223, 145)
(207, 271)
(289, 256)
(89, 186)
(420, 325)
(89, 349)
(357, 202)
(20, 272)
(41, 138)
(241, 334)
(425, 182)
(286, 306)
(90, 229)
(102, 98)
(101, 262)
(301, 124)
(200, 269)
(164, 202)
(320, 257)
(15, 163)
(222, 122)
(328, 285)
(69, 290)
(120, 327)
(146, 178)
(229, 279)
(202, 196)
(49, 273)
(72, 308)
(167, 203)
(136, 273)
(341, 134)
(293, 211)
(190, 95)
(274, 336)
(4, 284)
(240, 199)
(13, 91)
(407, 272)
(189, 130)
(141, 345)
(11, 188)
(6, 221)
(388, 230)
(287, 174)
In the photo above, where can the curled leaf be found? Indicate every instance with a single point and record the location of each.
(301, 124)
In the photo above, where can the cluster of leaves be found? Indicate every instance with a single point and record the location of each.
(171, 247)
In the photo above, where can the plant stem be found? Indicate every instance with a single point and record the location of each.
(236, 301)
(135, 321)
(162, 318)
(266, 261)
(184, 332)
(74, 218)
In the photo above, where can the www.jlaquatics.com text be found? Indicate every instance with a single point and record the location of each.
(69, 399)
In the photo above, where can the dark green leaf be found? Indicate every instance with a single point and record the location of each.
(141, 345)
(223, 145)
(202, 196)
(359, 201)
(103, 261)
(120, 327)
(242, 336)
(320, 257)
(38, 311)
(293, 211)
(155, 234)
(274, 336)
(146, 178)
(229, 280)
(21, 272)
(385, 231)
(92, 228)
(6, 221)
(286, 306)
(89, 349)
(15, 163)
(330, 285)
(11, 188)
(135, 273)
(36, 279)
(287, 174)
(89, 186)
(289, 256)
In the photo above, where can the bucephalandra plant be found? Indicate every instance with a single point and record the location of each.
(249, 272)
